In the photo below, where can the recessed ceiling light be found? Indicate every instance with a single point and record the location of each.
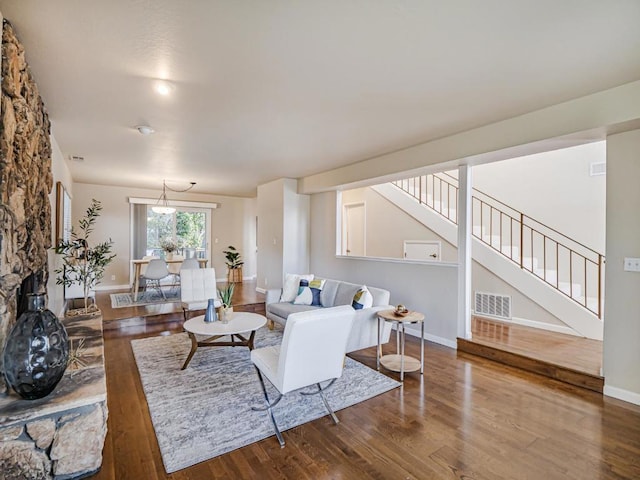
(163, 87)
(145, 129)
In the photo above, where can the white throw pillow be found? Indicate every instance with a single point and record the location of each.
(362, 299)
(305, 297)
(291, 285)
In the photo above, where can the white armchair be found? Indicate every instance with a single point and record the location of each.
(312, 351)
(197, 286)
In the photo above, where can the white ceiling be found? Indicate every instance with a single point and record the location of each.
(281, 88)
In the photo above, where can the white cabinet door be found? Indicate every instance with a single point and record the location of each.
(422, 250)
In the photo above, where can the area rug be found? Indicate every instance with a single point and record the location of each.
(205, 410)
(150, 297)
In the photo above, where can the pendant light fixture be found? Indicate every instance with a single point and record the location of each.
(162, 205)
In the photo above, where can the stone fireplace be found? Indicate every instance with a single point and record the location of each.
(62, 435)
(25, 181)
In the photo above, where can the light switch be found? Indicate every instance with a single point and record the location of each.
(631, 264)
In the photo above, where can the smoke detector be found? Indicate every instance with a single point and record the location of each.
(145, 129)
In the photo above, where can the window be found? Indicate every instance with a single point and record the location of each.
(187, 227)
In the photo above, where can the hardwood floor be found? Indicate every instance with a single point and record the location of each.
(575, 360)
(467, 417)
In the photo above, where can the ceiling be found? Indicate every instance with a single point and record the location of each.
(266, 89)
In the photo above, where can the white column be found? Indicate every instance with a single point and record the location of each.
(464, 252)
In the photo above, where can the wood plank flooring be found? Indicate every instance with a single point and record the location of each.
(466, 418)
(568, 358)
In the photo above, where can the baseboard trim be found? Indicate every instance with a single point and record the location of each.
(432, 338)
(622, 394)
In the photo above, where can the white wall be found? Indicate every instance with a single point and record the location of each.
(61, 173)
(431, 289)
(232, 223)
(622, 295)
(295, 238)
(270, 229)
(283, 232)
(554, 188)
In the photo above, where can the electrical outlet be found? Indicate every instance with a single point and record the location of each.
(631, 264)
(113, 277)
(266, 281)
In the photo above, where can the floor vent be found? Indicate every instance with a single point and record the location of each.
(492, 304)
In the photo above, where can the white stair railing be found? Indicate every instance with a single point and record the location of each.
(565, 264)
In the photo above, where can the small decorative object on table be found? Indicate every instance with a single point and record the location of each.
(37, 351)
(210, 315)
(226, 296)
(169, 247)
(401, 310)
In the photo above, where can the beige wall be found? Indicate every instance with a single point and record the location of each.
(232, 224)
(387, 227)
(427, 288)
(554, 188)
(61, 173)
(622, 293)
(522, 307)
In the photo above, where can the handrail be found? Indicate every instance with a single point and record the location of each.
(529, 235)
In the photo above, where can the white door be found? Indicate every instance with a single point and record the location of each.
(354, 237)
(422, 250)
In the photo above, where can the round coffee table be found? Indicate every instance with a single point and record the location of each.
(239, 322)
(399, 362)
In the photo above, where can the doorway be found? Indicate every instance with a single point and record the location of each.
(354, 237)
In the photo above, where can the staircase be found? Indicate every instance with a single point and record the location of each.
(539, 252)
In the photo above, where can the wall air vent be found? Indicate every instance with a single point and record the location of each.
(76, 158)
(599, 168)
(493, 304)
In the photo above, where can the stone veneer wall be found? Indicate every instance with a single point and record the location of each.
(25, 178)
(62, 435)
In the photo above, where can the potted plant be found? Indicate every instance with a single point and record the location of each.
(168, 246)
(226, 297)
(81, 263)
(234, 263)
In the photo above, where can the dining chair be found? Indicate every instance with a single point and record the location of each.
(174, 270)
(156, 271)
(189, 264)
(143, 267)
(197, 286)
(312, 351)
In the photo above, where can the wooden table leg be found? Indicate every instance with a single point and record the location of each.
(250, 342)
(136, 281)
(194, 347)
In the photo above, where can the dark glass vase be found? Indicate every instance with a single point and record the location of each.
(36, 352)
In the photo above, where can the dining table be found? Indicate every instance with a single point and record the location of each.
(137, 268)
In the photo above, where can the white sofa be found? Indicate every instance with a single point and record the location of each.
(364, 333)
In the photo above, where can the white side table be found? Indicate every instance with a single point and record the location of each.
(399, 362)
